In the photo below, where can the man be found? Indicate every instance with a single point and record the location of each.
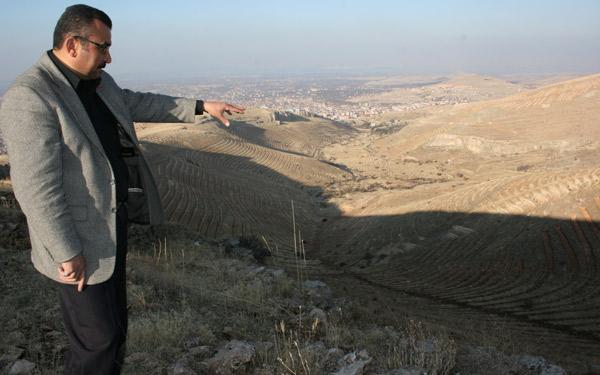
(79, 176)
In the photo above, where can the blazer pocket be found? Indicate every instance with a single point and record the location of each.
(78, 213)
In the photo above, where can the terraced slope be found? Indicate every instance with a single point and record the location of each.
(304, 134)
(475, 215)
(221, 185)
(519, 239)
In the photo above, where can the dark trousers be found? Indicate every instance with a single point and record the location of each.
(96, 318)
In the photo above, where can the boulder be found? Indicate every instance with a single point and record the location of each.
(22, 366)
(410, 370)
(233, 357)
(354, 363)
(538, 365)
(181, 367)
(317, 313)
(318, 292)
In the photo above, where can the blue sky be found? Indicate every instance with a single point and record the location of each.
(163, 40)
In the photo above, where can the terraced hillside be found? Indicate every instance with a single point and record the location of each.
(468, 216)
(512, 227)
(215, 181)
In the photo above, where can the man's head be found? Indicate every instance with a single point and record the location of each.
(82, 39)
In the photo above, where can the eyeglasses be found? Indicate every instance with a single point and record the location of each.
(101, 47)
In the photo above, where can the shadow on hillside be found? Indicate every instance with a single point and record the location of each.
(537, 278)
(538, 275)
(500, 264)
(235, 195)
(504, 265)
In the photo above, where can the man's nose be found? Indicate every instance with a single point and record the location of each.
(108, 58)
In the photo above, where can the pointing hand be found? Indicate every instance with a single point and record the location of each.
(217, 110)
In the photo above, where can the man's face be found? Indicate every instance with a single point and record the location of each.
(91, 59)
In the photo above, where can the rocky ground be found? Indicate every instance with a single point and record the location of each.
(441, 242)
(201, 306)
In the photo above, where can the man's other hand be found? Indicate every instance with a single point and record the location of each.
(217, 110)
(73, 271)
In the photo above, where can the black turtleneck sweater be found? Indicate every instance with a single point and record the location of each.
(104, 123)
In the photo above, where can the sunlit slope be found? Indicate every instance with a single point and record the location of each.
(466, 87)
(561, 117)
(520, 237)
(304, 134)
(490, 211)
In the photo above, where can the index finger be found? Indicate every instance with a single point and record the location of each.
(81, 282)
(236, 109)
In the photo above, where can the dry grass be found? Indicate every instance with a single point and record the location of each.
(30, 322)
(180, 292)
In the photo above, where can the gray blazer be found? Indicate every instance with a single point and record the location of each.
(60, 173)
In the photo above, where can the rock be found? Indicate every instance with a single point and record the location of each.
(232, 358)
(331, 359)
(410, 370)
(552, 370)
(199, 351)
(192, 342)
(316, 349)
(319, 292)
(319, 314)
(257, 247)
(228, 331)
(10, 356)
(180, 367)
(538, 365)
(363, 355)
(138, 357)
(484, 360)
(233, 242)
(256, 270)
(315, 284)
(278, 274)
(22, 366)
(354, 363)
(489, 360)
(530, 362)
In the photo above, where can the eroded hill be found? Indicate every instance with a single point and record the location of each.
(475, 215)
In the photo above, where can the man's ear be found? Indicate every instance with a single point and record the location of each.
(71, 45)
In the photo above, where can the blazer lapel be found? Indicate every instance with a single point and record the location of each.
(118, 111)
(71, 101)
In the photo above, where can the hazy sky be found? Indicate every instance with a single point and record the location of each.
(163, 40)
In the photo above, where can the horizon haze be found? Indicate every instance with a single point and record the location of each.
(181, 40)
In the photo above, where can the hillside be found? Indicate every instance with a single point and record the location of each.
(481, 213)
(505, 223)
(438, 90)
(479, 219)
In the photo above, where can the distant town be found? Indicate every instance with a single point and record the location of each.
(335, 99)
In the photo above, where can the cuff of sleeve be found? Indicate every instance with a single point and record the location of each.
(199, 107)
(66, 257)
